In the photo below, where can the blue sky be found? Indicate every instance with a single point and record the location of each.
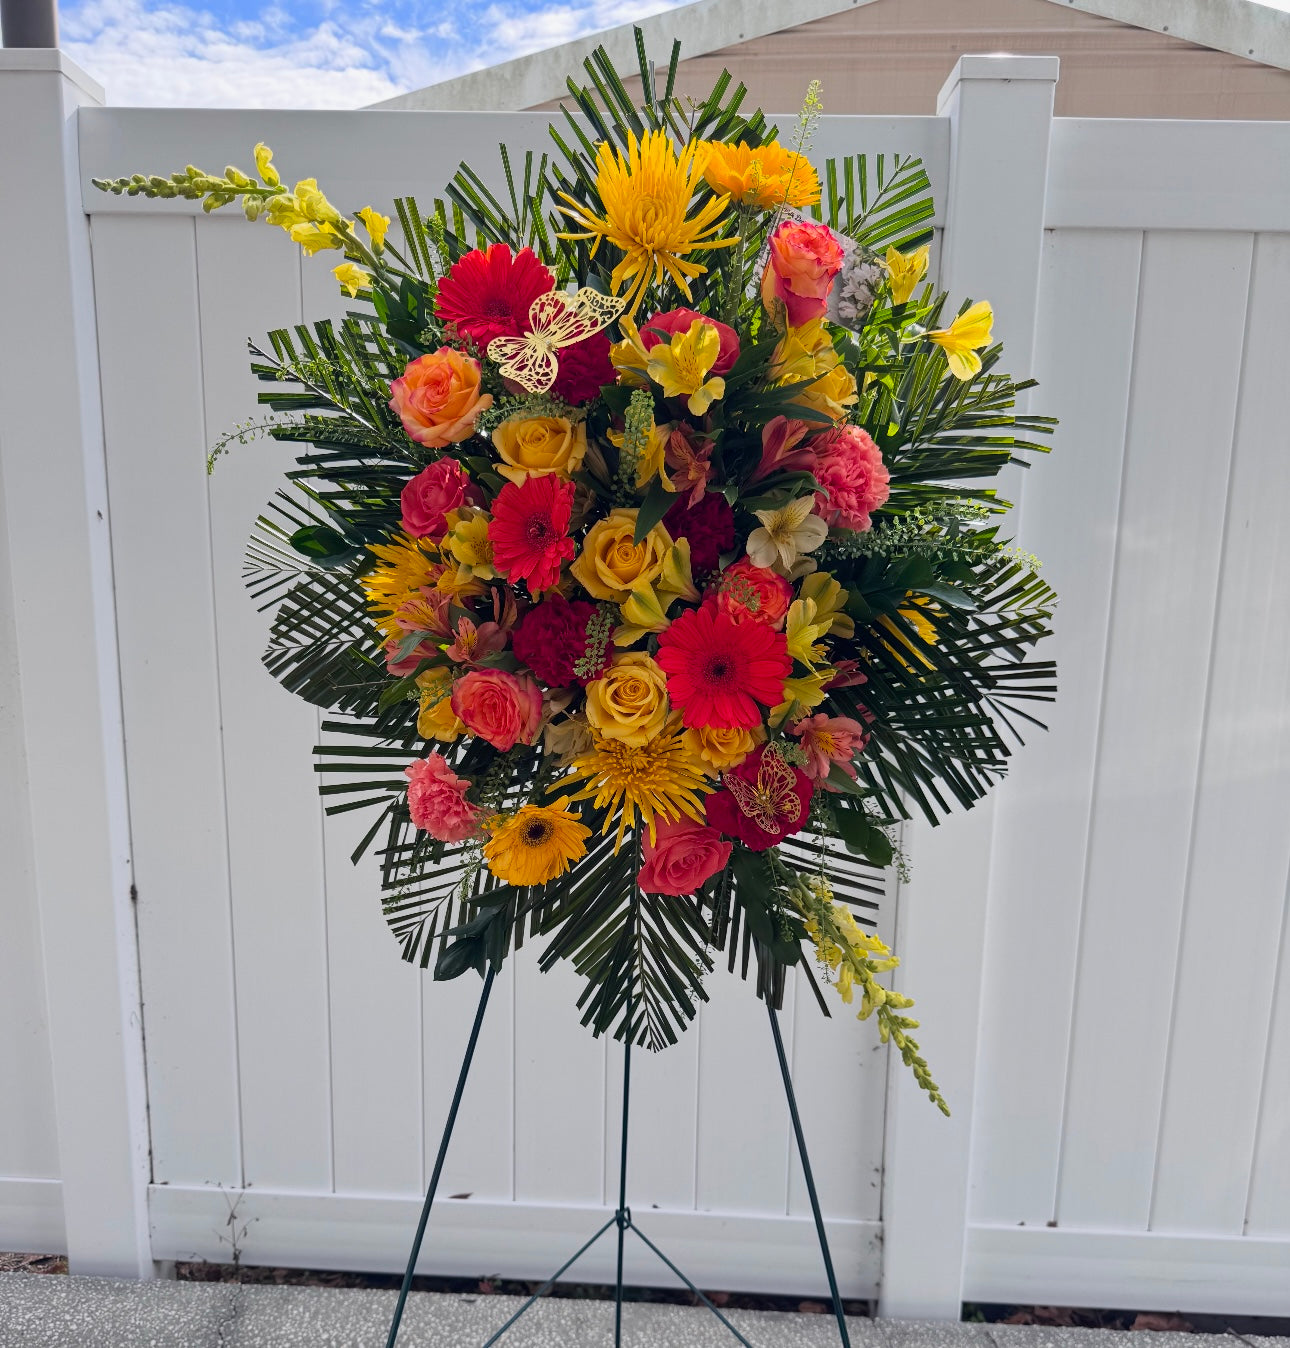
(317, 53)
(312, 53)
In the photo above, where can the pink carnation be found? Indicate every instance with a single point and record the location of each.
(503, 708)
(437, 800)
(828, 740)
(849, 467)
(432, 494)
(682, 856)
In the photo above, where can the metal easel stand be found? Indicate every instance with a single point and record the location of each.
(622, 1218)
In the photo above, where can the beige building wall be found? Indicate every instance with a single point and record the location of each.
(892, 56)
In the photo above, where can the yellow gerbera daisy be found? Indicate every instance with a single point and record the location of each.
(536, 844)
(661, 778)
(764, 176)
(645, 195)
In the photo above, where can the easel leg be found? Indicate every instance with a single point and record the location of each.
(623, 1215)
(810, 1178)
(443, 1152)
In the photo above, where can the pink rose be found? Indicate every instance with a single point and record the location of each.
(828, 740)
(437, 800)
(849, 466)
(661, 327)
(435, 491)
(504, 709)
(683, 855)
(804, 259)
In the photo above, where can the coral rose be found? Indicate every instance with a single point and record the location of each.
(610, 566)
(849, 467)
(437, 800)
(437, 398)
(682, 856)
(535, 446)
(661, 328)
(503, 708)
(430, 496)
(804, 259)
(756, 592)
(628, 701)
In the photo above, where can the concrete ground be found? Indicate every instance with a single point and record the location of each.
(63, 1312)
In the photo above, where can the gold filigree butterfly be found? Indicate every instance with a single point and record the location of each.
(773, 801)
(556, 320)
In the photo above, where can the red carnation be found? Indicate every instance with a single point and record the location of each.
(584, 369)
(487, 294)
(530, 530)
(780, 791)
(552, 638)
(710, 527)
(718, 670)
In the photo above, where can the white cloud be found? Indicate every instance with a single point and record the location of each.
(168, 54)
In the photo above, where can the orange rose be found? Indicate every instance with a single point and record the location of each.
(438, 398)
(804, 259)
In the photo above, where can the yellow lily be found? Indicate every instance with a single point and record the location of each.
(681, 366)
(629, 356)
(964, 338)
(805, 692)
(905, 270)
(804, 630)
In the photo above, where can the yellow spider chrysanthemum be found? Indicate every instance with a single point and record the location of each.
(536, 844)
(765, 176)
(404, 568)
(645, 195)
(661, 779)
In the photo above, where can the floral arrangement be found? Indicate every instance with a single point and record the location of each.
(641, 542)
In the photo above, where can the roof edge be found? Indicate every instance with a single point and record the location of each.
(1243, 28)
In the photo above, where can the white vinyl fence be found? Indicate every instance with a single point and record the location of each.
(202, 1008)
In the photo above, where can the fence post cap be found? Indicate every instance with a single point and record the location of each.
(50, 58)
(999, 66)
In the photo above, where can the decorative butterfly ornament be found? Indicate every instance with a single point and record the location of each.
(774, 800)
(556, 319)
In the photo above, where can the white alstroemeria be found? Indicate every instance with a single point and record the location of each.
(786, 534)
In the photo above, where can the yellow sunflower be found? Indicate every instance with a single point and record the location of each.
(536, 844)
(658, 779)
(763, 176)
(645, 195)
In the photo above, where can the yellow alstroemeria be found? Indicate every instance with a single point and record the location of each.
(629, 356)
(264, 166)
(905, 271)
(803, 692)
(830, 599)
(786, 534)
(964, 338)
(804, 630)
(352, 278)
(468, 543)
(681, 365)
(376, 225)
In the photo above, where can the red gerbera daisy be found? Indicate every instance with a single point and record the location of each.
(718, 670)
(529, 530)
(487, 294)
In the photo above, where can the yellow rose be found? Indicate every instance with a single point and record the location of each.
(719, 748)
(610, 566)
(628, 701)
(437, 720)
(806, 352)
(535, 446)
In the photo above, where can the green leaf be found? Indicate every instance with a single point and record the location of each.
(658, 501)
(863, 837)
